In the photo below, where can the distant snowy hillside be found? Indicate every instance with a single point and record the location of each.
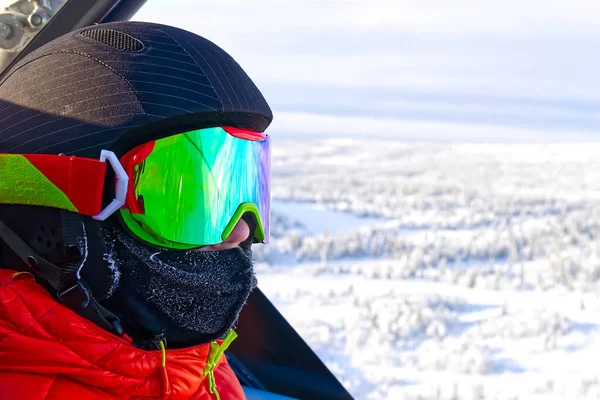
(423, 271)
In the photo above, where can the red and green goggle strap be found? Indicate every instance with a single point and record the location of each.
(71, 183)
(75, 183)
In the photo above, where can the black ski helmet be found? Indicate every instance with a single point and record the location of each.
(110, 86)
(115, 85)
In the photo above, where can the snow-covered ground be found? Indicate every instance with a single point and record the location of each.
(422, 271)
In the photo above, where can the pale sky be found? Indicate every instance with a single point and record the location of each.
(417, 70)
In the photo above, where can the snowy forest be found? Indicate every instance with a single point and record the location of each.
(440, 271)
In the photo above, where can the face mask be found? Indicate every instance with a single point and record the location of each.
(189, 297)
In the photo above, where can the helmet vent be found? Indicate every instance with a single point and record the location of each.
(116, 39)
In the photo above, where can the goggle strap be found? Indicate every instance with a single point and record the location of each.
(71, 183)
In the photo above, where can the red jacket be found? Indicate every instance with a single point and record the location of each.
(49, 352)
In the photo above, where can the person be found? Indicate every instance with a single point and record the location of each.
(135, 179)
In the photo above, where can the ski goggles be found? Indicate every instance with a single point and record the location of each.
(183, 191)
(191, 189)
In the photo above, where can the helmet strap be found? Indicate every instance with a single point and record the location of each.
(65, 280)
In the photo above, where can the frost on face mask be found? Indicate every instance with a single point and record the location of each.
(111, 260)
(197, 292)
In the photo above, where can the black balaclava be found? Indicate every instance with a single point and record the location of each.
(187, 297)
(182, 297)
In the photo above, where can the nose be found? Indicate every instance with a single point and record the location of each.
(239, 233)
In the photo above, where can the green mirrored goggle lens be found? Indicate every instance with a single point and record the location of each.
(193, 188)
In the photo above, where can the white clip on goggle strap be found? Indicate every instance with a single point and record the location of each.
(120, 188)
